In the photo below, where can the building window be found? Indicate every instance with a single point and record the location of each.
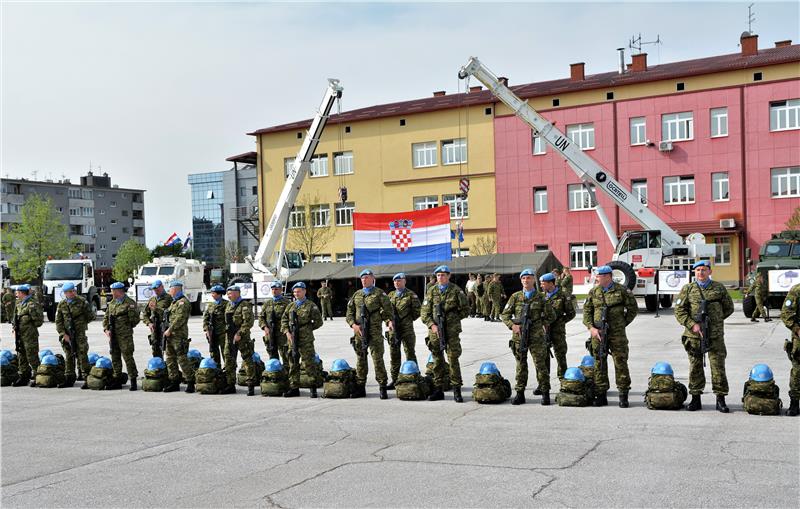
(539, 145)
(297, 217)
(113, 221)
(459, 206)
(87, 211)
(723, 251)
(321, 258)
(320, 215)
(538, 248)
(102, 247)
(243, 191)
(112, 204)
(86, 194)
(639, 188)
(719, 186)
(581, 256)
(319, 166)
(344, 213)
(344, 257)
(678, 190)
(75, 193)
(124, 213)
(638, 131)
(9, 208)
(113, 239)
(579, 197)
(677, 126)
(74, 212)
(784, 115)
(101, 229)
(539, 200)
(425, 202)
(719, 122)
(102, 212)
(59, 209)
(786, 182)
(424, 154)
(454, 151)
(459, 252)
(288, 162)
(125, 230)
(255, 190)
(342, 163)
(582, 135)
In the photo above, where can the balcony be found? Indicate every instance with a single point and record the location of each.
(138, 223)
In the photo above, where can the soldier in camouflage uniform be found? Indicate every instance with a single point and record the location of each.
(379, 311)
(622, 309)
(456, 308)
(308, 319)
(790, 314)
(8, 305)
(125, 316)
(540, 315)
(26, 320)
(74, 312)
(325, 296)
(154, 312)
(214, 323)
(687, 312)
(272, 313)
(480, 291)
(406, 305)
(759, 291)
(564, 311)
(495, 297)
(178, 340)
(239, 320)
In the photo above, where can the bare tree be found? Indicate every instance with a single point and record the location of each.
(794, 220)
(484, 245)
(231, 252)
(314, 232)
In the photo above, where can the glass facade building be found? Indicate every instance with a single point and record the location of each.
(208, 200)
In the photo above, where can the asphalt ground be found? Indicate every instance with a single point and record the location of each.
(74, 448)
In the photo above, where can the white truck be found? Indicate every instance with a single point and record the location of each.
(166, 269)
(639, 255)
(58, 272)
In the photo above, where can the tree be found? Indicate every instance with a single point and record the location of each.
(231, 252)
(173, 250)
(306, 237)
(484, 246)
(38, 236)
(131, 256)
(794, 220)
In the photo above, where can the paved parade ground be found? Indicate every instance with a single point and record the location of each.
(74, 448)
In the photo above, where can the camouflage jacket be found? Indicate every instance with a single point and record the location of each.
(324, 293)
(407, 306)
(495, 290)
(790, 311)
(455, 304)
(687, 308)
(29, 314)
(278, 307)
(622, 308)
(214, 318)
(539, 313)
(179, 312)
(240, 314)
(378, 307)
(162, 303)
(565, 283)
(78, 312)
(309, 319)
(560, 302)
(125, 316)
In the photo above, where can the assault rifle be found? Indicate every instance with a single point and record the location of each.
(393, 337)
(158, 333)
(17, 335)
(112, 332)
(272, 342)
(69, 329)
(162, 342)
(294, 328)
(548, 337)
(602, 328)
(230, 330)
(702, 320)
(524, 331)
(365, 335)
(441, 324)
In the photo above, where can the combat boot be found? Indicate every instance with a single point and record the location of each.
(519, 399)
(189, 387)
(382, 390)
(133, 385)
(436, 395)
(601, 399)
(457, 395)
(359, 391)
(721, 406)
(767, 319)
(753, 320)
(623, 400)
(251, 391)
(229, 389)
(33, 383)
(545, 398)
(313, 393)
(173, 386)
(390, 387)
(19, 382)
(794, 407)
(85, 386)
(695, 404)
(81, 377)
(537, 391)
(292, 393)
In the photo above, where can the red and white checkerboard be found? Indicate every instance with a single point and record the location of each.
(401, 238)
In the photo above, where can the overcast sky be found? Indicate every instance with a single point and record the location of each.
(152, 92)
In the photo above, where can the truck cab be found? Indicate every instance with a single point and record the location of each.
(166, 269)
(58, 272)
(779, 262)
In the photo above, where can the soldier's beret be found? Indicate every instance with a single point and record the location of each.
(25, 287)
(218, 289)
(68, 286)
(276, 284)
(604, 269)
(399, 275)
(548, 277)
(302, 285)
(442, 268)
(526, 272)
(702, 263)
(117, 286)
(366, 272)
(156, 284)
(175, 282)
(234, 288)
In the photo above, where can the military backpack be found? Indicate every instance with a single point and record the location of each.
(307, 382)
(414, 387)
(339, 384)
(9, 373)
(762, 398)
(209, 380)
(429, 373)
(575, 392)
(664, 393)
(241, 376)
(100, 379)
(51, 376)
(491, 388)
(274, 383)
(155, 380)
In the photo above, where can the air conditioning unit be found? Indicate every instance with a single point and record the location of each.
(727, 223)
(665, 146)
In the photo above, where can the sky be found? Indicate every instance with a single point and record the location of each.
(152, 92)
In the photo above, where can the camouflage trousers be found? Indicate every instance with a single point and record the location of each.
(794, 380)
(326, 308)
(559, 338)
(408, 341)
(618, 348)
(760, 311)
(177, 348)
(155, 346)
(376, 350)
(496, 308)
(83, 355)
(307, 352)
(124, 350)
(541, 361)
(28, 357)
(217, 348)
(472, 299)
(245, 347)
(716, 357)
(282, 348)
(453, 353)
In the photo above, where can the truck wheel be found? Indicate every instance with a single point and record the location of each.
(666, 301)
(749, 305)
(51, 314)
(94, 309)
(623, 273)
(651, 302)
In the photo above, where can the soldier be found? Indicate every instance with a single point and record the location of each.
(540, 315)
(118, 323)
(759, 291)
(480, 291)
(452, 303)
(431, 283)
(687, 312)
(621, 308)
(8, 305)
(406, 308)
(486, 300)
(300, 319)
(271, 315)
(26, 320)
(153, 313)
(325, 295)
(379, 310)
(470, 289)
(178, 340)
(73, 313)
(562, 306)
(238, 322)
(496, 296)
(214, 323)
(790, 314)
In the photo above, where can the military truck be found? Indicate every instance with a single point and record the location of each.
(779, 264)
(58, 272)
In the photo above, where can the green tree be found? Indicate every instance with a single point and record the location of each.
(173, 250)
(39, 234)
(131, 256)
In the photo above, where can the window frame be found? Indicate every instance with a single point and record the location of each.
(575, 189)
(636, 184)
(297, 217)
(585, 128)
(716, 122)
(639, 127)
(581, 250)
(789, 106)
(316, 162)
(425, 147)
(459, 206)
(792, 176)
(720, 254)
(682, 181)
(718, 185)
(427, 202)
(342, 209)
(536, 139)
(459, 145)
(338, 157)
(319, 211)
(667, 122)
(537, 193)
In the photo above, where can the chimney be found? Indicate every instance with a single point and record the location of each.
(477, 88)
(639, 62)
(621, 52)
(503, 80)
(576, 72)
(783, 44)
(749, 44)
(439, 93)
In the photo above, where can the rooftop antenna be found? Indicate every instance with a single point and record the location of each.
(34, 173)
(636, 43)
(751, 17)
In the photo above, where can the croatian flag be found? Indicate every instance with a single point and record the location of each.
(402, 237)
(188, 243)
(173, 239)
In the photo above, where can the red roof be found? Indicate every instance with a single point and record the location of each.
(686, 68)
(247, 158)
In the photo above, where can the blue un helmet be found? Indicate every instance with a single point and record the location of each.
(409, 368)
(574, 374)
(93, 356)
(587, 361)
(4, 361)
(8, 354)
(256, 357)
(489, 368)
(50, 360)
(273, 366)
(662, 368)
(156, 363)
(209, 363)
(44, 353)
(103, 363)
(340, 365)
(761, 373)
(194, 354)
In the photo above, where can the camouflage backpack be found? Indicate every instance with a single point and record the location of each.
(491, 388)
(339, 384)
(575, 392)
(155, 380)
(306, 382)
(762, 398)
(9, 372)
(50, 376)
(274, 383)
(208, 380)
(241, 376)
(100, 379)
(413, 387)
(664, 393)
(429, 373)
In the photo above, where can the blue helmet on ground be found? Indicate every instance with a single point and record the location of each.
(209, 363)
(273, 366)
(93, 356)
(574, 374)
(340, 365)
(489, 368)
(4, 361)
(662, 368)
(409, 368)
(194, 354)
(50, 360)
(103, 363)
(587, 361)
(156, 363)
(8, 354)
(256, 357)
(761, 373)
(43, 353)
